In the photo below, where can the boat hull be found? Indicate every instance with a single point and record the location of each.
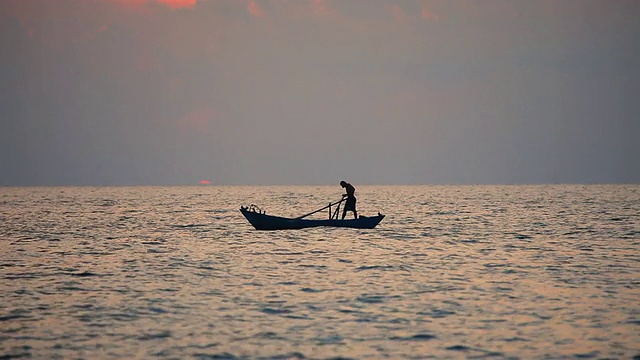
(262, 221)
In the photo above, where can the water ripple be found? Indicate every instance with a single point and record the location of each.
(452, 272)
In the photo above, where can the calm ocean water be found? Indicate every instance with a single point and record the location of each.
(530, 272)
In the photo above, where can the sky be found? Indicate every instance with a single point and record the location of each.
(297, 92)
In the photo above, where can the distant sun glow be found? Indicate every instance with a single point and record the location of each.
(205, 182)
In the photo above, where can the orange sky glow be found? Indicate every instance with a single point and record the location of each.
(174, 4)
(178, 4)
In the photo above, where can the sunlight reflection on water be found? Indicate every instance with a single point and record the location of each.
(452, 271)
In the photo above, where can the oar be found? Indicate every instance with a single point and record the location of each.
(313, 212)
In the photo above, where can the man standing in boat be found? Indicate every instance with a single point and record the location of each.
(350, 204)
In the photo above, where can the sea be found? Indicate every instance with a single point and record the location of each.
(452, 272)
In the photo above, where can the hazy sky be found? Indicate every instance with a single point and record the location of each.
(161, 92)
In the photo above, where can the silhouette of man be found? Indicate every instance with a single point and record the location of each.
(350, 204)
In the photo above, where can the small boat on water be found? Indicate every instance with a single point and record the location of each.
(261, 221)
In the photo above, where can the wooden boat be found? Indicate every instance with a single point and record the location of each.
(261, 221)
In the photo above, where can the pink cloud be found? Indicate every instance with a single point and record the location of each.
(131, 2)
(173, 4)
(256, 10)
(428, 14)
(398, 14)
(178, 4)
(320, 8)
(403, 14)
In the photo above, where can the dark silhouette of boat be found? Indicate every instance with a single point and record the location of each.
(261, 221)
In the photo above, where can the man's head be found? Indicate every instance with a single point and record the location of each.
(343, 183)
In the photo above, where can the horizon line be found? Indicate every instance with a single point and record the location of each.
(311, 185)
